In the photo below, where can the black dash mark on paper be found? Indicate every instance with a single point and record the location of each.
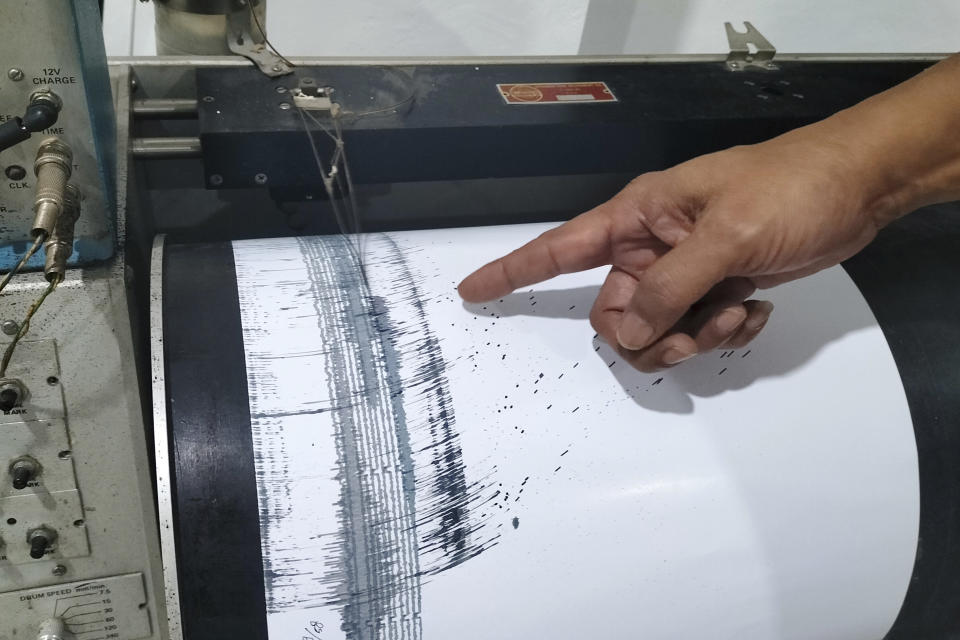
(721, 371)
(657, 381)
(566, 451)
(515, 522)
(746, 354)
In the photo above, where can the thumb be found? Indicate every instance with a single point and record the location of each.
(667, 289)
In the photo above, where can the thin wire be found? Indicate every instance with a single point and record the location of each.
(350, 192)
(391, 109)
(29, 254)
(330, 180)
(25, 325)
(341, 154)
(263, 33)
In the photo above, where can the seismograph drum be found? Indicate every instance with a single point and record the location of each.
(357, 454)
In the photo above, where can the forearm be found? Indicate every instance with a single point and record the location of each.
(904, 144)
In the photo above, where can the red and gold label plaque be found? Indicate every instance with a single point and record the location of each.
(556, 93)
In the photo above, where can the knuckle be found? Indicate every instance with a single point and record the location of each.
(596, 319)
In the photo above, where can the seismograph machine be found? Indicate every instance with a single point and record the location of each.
(240, 397)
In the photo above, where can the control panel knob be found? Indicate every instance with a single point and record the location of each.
(40, 539)
(54, 629)
(23, 471)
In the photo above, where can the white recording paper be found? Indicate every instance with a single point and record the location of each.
(767, 493)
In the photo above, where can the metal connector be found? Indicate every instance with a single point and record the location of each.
(53, 167)
(59, 245)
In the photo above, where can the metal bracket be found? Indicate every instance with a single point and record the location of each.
(241, 41)
(308, 95)
(748, 49)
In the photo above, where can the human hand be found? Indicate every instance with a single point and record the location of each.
(689, 246)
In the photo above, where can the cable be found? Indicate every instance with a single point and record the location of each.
(263, 33)
(25, 325)
(29, 254)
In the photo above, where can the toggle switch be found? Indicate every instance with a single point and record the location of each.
(40, 540)
(23, 470)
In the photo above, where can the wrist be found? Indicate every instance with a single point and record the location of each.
(903, 146)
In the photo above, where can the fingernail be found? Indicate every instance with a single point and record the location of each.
(634, 333)
(729, 320)
(755, 322)
(673, 356)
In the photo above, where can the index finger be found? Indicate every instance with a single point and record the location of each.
(582, 243)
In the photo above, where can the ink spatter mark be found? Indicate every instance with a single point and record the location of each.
(657, 381)
(515, 522)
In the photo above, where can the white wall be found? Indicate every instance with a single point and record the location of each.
(798, 26)
(556, 27)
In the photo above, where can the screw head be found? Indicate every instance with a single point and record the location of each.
(216, 179)
(59, 570)
(15, 74)
(285, 106)
(280, 89)
(260, 178)
(10, 327)
(207, 98)
(277, 68)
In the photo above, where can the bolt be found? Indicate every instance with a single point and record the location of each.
(734, 65)
(10, 327)
(15, 74)
(285, 105)
(216, 179)
(770, 65)
(260, 178)
(53, 380)
(277, 68)
(59, 570)
(207, 98)
(281, 89)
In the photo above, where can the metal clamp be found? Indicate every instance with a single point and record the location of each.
(748, 49)
(241, 41)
